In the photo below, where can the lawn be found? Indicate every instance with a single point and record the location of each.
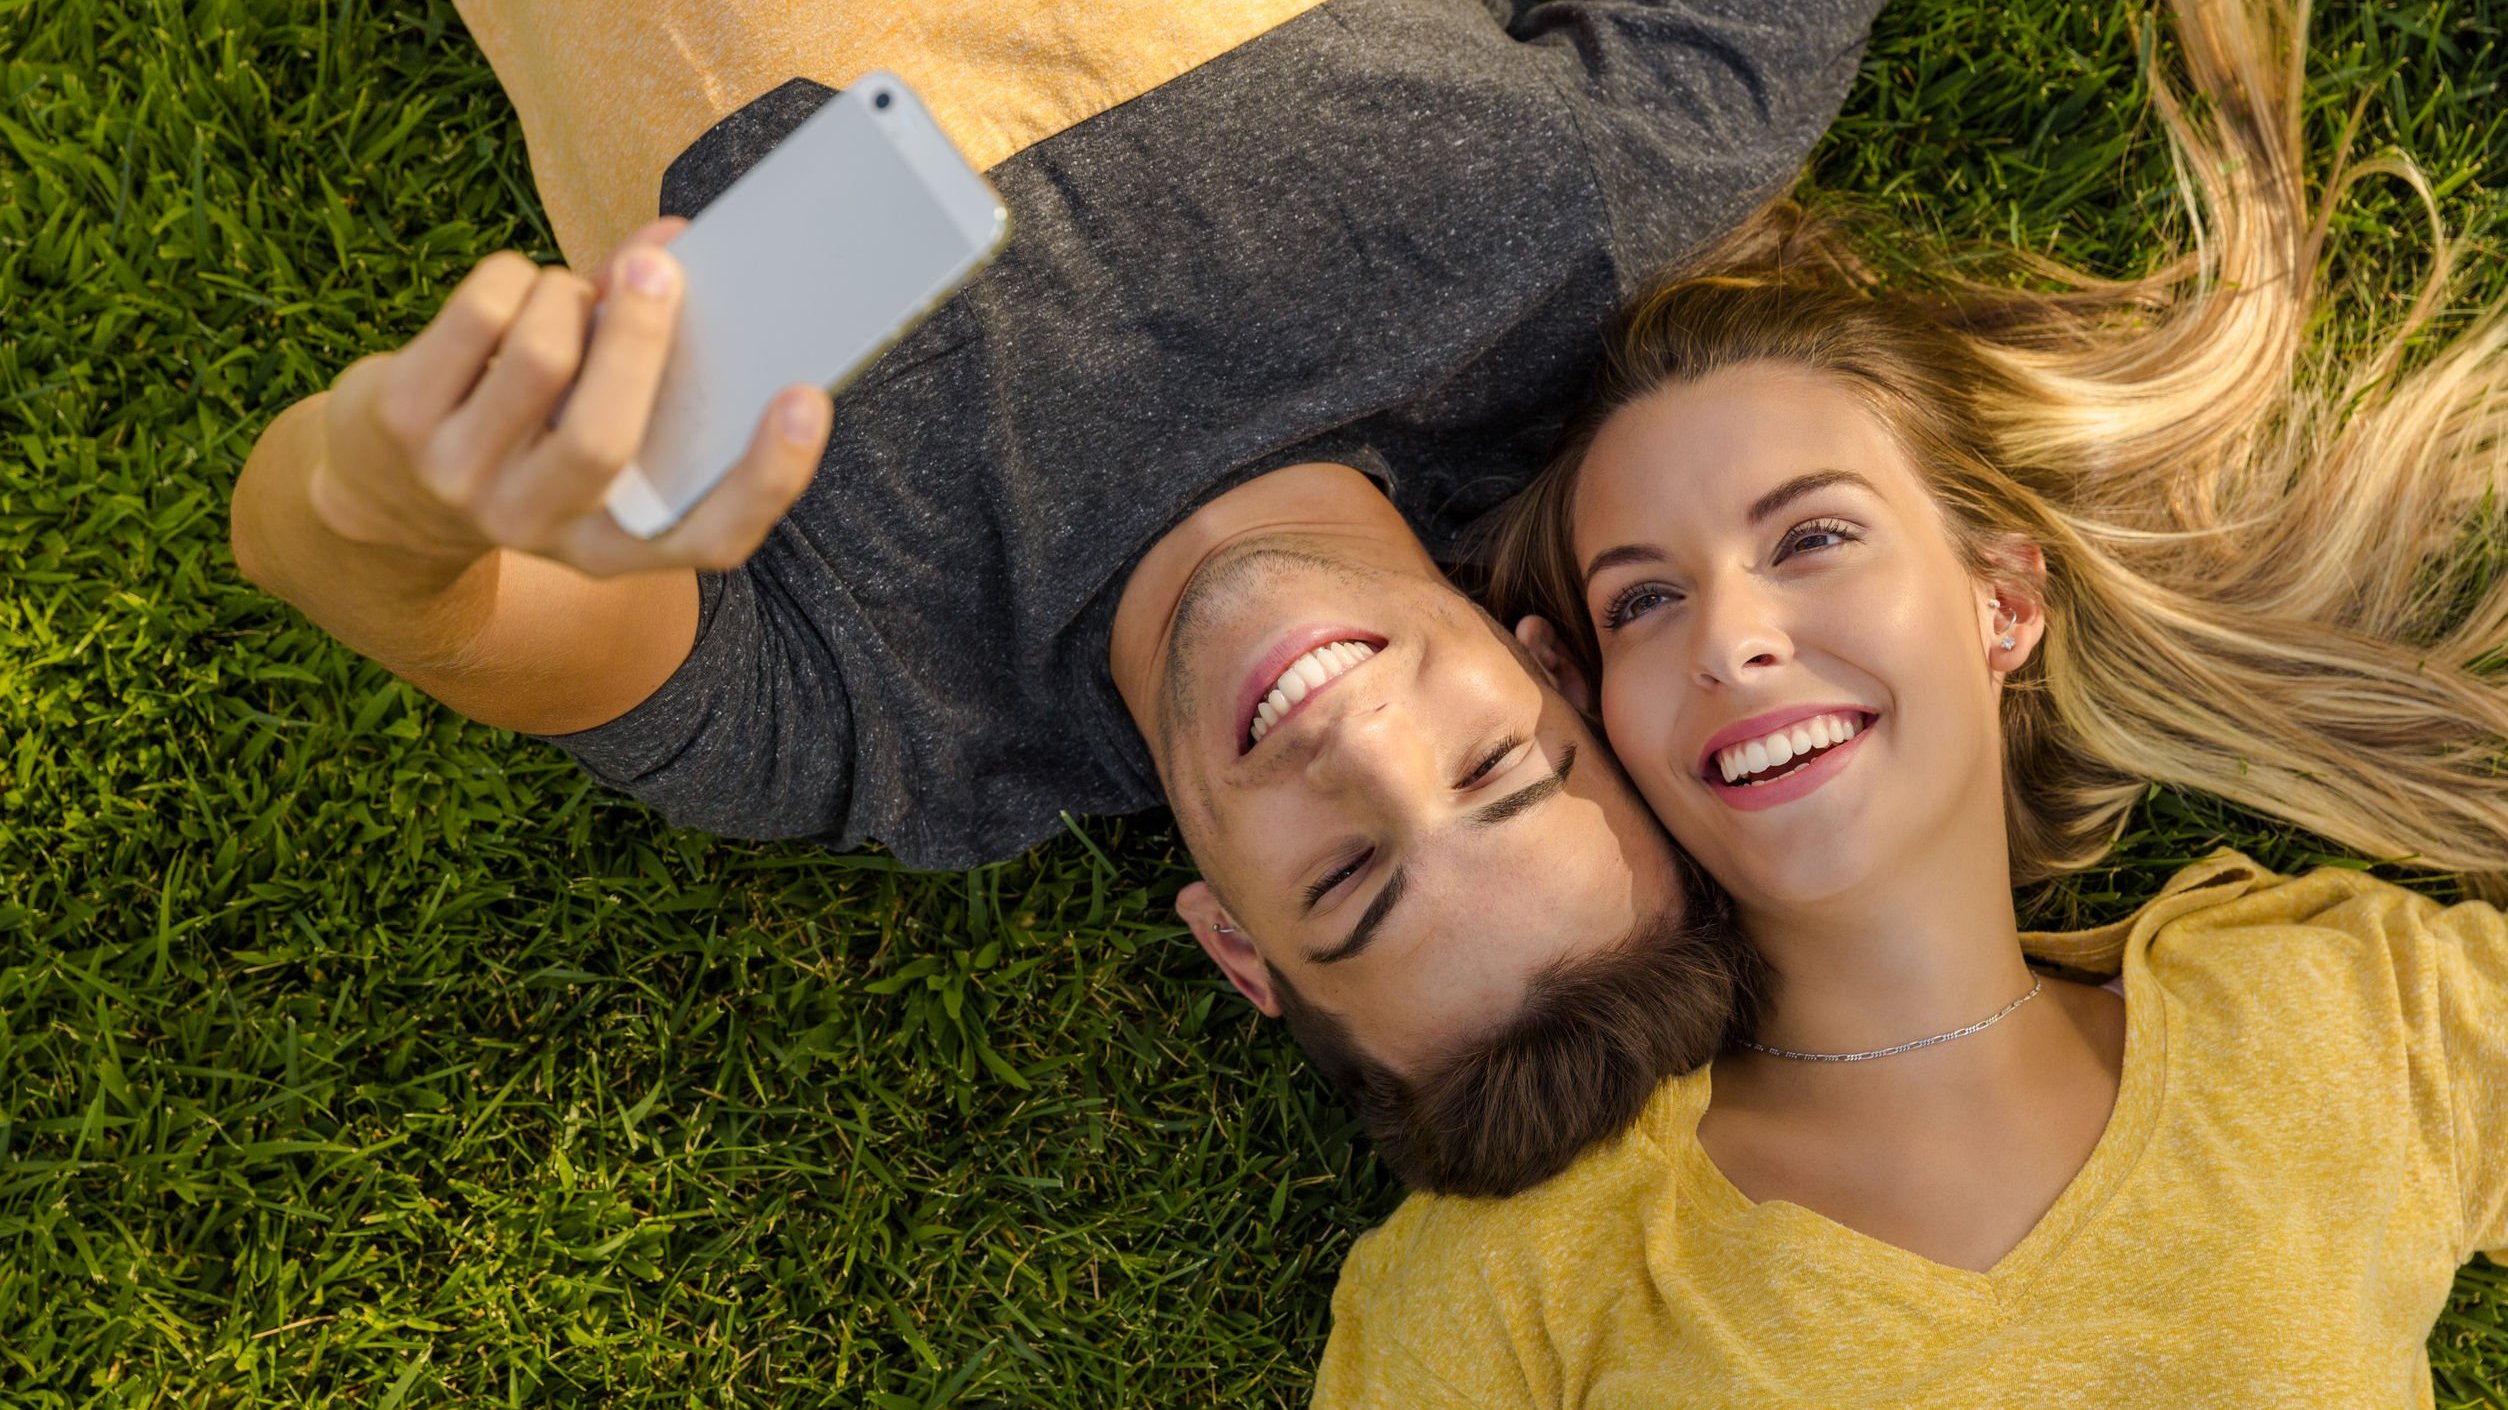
(355, 1053)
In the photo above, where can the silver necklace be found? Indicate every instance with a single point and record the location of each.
(1903, 1047)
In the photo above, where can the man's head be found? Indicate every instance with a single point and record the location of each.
(1414, 848)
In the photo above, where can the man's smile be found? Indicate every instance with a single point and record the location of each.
(1297, 667)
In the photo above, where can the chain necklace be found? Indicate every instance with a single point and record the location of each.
(1903, 1047)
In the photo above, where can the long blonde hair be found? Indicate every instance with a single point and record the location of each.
(2273, 565)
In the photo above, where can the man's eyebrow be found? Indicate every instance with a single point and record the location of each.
(1516, 804)
(1801, 485)
(1363, 934)
(1530, 796)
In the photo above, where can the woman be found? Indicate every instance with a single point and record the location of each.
(1888, 606)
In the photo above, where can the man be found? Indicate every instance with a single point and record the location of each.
(1296, 293)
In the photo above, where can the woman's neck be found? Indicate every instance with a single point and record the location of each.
(1915, 951)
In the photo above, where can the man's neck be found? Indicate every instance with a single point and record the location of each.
(1316, 501)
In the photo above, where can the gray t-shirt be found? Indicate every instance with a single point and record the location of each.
(1387, 227)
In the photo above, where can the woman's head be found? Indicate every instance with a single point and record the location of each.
(2222, 566)
(1781, 526)
(2243, 555)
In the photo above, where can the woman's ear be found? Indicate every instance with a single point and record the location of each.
(1227, 946)
(1558, 664)
(2012, 605)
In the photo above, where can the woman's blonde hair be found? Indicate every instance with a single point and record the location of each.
(2272, 565)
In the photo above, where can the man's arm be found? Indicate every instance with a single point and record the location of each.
(505, 638)
(431, 512)
(1695, 112)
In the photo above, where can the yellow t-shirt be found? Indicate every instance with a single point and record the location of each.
(609, 93)
(2310, 1137)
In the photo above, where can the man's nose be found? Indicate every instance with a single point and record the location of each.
(1375, 750)
(1736, 629)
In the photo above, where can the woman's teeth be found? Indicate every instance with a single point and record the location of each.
(1777, 749)
(1304, 674)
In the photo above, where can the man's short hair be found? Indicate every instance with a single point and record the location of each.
(1597, 1034)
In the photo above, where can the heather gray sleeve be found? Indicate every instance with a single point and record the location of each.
(1696, 111)
(752, 736)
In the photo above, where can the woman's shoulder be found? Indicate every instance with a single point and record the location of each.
(1621, 1183)
(2334, 956)
(2237, 904)
(2344, 911)
(1462, 1301)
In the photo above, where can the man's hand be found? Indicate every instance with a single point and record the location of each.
(439, 509)
(503, 422)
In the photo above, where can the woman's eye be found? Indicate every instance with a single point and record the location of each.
(1632, 603)
(1815, 537)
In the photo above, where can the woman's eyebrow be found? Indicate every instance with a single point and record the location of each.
(1625, 553)
(1760, 508)
(1801, 485)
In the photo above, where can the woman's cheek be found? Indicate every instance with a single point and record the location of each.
(1638, 718)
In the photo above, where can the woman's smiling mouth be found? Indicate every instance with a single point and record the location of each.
(1780, 756)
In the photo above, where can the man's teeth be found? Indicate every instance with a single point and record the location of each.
(1304, 674)
(1777, 749)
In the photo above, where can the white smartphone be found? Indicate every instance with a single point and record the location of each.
(806, 269)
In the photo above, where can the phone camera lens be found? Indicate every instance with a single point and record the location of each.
(879, 100)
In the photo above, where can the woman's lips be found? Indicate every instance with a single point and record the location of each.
(1772, 722)
(1796, 779)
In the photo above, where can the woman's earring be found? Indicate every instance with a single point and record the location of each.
(2012, 621)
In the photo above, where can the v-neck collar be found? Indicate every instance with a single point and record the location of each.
(2142, 1083)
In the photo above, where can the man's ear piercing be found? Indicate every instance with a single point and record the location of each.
(1217, 929)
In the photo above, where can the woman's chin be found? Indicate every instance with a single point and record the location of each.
(1787, 875)
(1787, 857)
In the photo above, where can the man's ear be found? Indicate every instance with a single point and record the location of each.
(1227, 946)
(1557, 663)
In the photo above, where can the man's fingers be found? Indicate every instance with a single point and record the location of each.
(435, 370)
(659, 233)
(534, 365)
(607, 412)
(725, 527)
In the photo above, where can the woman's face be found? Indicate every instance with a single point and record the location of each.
(1797, 669)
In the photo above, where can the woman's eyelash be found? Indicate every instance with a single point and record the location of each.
(1624, 603)
(1836, 528)
(1617, 612)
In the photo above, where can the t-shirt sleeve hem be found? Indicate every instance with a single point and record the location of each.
(614, 741)
(753, 735)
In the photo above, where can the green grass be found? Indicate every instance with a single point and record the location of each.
(354, 1053)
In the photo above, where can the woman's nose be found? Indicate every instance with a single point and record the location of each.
(1736, 630)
